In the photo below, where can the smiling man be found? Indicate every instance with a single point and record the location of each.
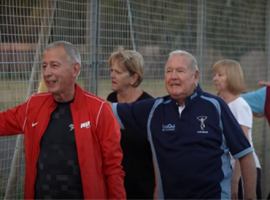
(191, 133)
(72, 139)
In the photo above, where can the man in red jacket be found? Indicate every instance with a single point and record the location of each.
(72, 139)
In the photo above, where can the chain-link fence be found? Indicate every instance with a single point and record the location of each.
(209, 29)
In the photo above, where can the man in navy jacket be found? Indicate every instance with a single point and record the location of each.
(191, 134)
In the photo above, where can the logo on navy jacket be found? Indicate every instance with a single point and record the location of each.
(202, 124)
(168, 127)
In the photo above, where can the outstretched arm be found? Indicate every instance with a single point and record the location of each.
(13, 120)
(264, 83)
(256, 100)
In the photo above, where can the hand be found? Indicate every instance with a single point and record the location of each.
(263, 83)
(234, 190)
(236, 176)
(244, 91)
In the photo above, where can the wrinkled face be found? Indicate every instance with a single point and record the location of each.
(120, 77)
(59, 75)
(180, 82)
(220, 80)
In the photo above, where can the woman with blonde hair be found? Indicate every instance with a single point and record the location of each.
(229, 83)
(127, 73)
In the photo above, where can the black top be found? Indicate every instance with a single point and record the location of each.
(137, 161)
(58, 171)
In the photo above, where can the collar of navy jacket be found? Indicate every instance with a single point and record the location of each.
(197, 93)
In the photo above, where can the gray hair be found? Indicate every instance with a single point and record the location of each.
(73, 54)
(193, 63)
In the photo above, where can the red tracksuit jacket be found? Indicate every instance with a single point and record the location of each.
(97, 136)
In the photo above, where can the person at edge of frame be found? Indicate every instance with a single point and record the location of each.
(191, 133)
(72, 139)
(259, 101)
(127, 73)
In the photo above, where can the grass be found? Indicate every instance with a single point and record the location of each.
(14, 92)
(154, 87)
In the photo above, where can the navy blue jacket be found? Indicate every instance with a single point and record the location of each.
(191, 151)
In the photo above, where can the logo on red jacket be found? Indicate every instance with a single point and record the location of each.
(86, 125)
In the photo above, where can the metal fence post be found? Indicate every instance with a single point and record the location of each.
(131, 25)
(94, 45)
(201, 18)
